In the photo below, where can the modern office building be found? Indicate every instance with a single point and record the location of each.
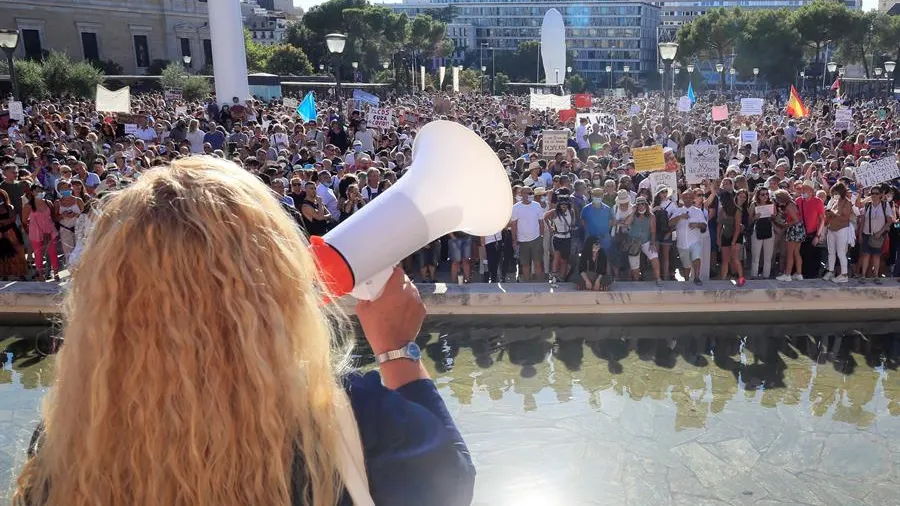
(674, 13)
(601, 33)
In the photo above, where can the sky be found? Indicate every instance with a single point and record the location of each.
(306, 4)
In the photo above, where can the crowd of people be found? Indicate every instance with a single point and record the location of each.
(787, 207)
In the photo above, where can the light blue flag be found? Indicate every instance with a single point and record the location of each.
(690, 92)
(307, 108)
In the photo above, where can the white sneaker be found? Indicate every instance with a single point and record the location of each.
(798, 277)
(841, 279)
(783, 277)
(828, 276)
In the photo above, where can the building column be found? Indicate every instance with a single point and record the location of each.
(226, 30)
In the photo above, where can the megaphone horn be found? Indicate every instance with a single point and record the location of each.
(430, 200)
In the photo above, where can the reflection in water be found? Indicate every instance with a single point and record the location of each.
(589, 415)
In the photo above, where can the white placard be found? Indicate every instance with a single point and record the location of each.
(113, 101)
(662, 178)
(701, 162)
(131, 128)
(290, 103)
(16, 111)
(555, 141)
(379, 118)
(750, 137)
(549, 101)
(843, 119)
(752, 106)
(180, 110)
(878, 171)
(607, 121)
(684, 104)
(765, 211)
(634, 110)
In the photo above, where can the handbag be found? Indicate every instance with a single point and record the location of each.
(875, 241)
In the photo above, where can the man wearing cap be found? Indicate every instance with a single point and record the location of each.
(812, 214)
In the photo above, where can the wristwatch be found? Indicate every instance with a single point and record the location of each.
(409, 351)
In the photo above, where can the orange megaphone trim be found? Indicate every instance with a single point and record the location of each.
(334, 271)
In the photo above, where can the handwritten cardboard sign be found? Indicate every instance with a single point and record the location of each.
(752, 106)
(701, 162)
(878, 171)
(648, 159)
(379, 117)
(555, 141)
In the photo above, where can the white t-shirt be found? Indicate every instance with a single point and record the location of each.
(328, 199)
(528, 220)
(196, 140)
(148, 134)
(685, 235)
(367, 138)
(874, 216)
(580, 134)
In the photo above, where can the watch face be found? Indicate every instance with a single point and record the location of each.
(413, 350)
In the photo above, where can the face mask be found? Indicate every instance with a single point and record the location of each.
(597, 182)
(357, 149)
(518, 198)
(66, 193)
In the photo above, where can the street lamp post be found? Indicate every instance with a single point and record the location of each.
(719, 68)
(878, 72)
(802, 81)
(355, 66)
(335, 43)
(831, 67)
(187, 61)
(483, 70)
(889, 67)
(755, 75)
(609, 71)
(667, 51)
(9, 40)
(732, 72)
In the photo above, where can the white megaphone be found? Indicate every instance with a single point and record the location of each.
(455, 183)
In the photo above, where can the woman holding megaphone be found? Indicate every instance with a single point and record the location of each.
(200, 368)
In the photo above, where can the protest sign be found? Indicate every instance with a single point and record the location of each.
(684, 104)
(365, 98)
(750, 137)
(16, 111)
(131, 128)
(548, 101)
(113, 101)
(172, 95)
(843, 119)
(606, 121)
(663, 179)
(634, 110)
(555, 141)
(701, 162)
(567, 115)
(583, 101)
(180, 110)
(411, 119)
(379, 118)
(878, 171)
(290, 103)
(719, 112)
(752, 106)
(766, 211)
(649, 158)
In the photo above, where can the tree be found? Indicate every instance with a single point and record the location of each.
(444, 15)
(156, 67)
(62, 76)
(470, 79)
(887, 35)
(576, 84)
(384, 76)
(257, 54)
(173, 76)
(195, 88)
(288, 60)
(713, 35)
(820, 22)
(858, 39)
(83, 79)
(29, 76)
(770, 43)
(55, 71)
(501, 82)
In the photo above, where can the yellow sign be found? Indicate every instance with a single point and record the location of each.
(648, 159)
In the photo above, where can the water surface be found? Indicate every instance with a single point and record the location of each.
(583, 415)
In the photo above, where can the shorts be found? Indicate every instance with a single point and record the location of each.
(531, 252)
(460, 249)
(429, 257)
(689, 255)
(865, 249)
(635, 261)
(562, 245)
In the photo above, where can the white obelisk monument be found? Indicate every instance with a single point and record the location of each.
(226, 31)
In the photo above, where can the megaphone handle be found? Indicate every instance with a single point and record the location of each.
(371, 289)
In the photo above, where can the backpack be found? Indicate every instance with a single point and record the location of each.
(764, 228)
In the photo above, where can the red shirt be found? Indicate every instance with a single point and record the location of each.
(811, 211)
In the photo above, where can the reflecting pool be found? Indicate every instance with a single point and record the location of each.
(581, 415)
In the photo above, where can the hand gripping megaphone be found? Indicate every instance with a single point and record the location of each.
(455, 183)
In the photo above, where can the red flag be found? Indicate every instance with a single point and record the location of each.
(566, 115)
(795, 106)
(837, 84)
(583, 101)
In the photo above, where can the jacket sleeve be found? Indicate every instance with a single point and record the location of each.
(414, 453)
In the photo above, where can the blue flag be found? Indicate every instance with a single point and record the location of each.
(307, 108)
(690, 92)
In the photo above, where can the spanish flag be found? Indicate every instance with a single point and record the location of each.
(795, 106)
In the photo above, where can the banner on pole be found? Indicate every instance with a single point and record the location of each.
(113, 101)
(456, 79)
